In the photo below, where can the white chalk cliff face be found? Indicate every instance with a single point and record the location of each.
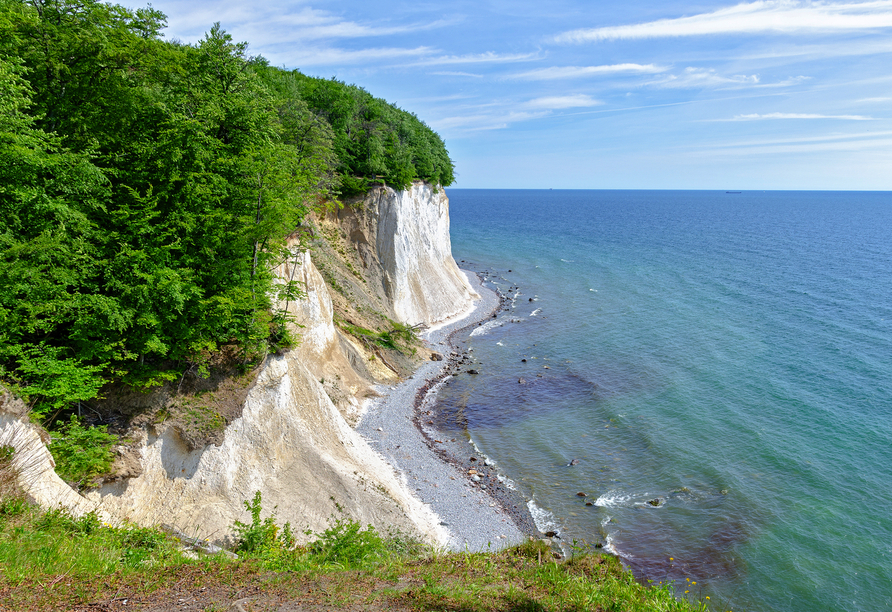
(422, 279)
(403, 241)
(291, 442)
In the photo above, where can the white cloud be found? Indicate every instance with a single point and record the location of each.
(800, 148)
(776, 16)
(560, 102)
(873, 100)
(328, 57)
(481, 122)
(702, 77)
(478, 58)
(761, 117)
(459, 74)
(573, 72)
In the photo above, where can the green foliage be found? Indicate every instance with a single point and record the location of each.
(398, 338)
(54, 560)
(261, 537)
(148, 190)
(347, 544)
(38, 545)
(373, 140)
(82, 453)
(12, 498)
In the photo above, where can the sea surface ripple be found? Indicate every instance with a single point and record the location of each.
(719, 364)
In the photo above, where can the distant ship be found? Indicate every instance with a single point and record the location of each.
(733, 192)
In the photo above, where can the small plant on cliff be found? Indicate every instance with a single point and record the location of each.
(347, 544)
(261, 537)
(82, 453)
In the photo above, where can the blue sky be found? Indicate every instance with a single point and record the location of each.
(772, 94)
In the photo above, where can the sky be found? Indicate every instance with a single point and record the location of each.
(575, 94)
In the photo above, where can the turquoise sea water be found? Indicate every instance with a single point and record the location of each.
(727, 356)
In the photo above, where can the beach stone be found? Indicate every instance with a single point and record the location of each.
(472, 371)
(589, 503)
(473, 459)
(574, 462)
(654, 502)
(436, 357)
(476, 478)
(550, 534)
(522, 381)
(523, 360)
(581, 494)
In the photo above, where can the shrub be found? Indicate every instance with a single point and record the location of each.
(12, 497)
(347, 544)
(82, 453)
(261, 536)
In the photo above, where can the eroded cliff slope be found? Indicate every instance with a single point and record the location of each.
(387, 258)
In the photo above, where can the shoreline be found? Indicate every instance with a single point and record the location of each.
(481, 515)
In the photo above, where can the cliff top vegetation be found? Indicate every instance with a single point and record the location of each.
(147, 189)
(54, 561)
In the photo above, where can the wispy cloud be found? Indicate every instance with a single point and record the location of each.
(561, 102)
(702, 77)
(873, 100)
(489, 57)
(769, 116)
(575, 72)
(819, 144)
(273, 23)
(328, 57)
(482, 122)
(778, 16)
(458, 74)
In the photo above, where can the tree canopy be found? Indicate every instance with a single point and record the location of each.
(147, 189)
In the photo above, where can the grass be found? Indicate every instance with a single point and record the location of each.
(399, 337)
(51, 560)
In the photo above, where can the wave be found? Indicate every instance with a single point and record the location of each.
(482, 330)
(542, 518)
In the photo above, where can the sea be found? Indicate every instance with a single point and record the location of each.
(697, 381)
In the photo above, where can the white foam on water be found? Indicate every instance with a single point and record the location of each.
(543, 519)
(486, 460)
(484, 329)
(509, 484)
(613, 499)
(535, 312)
(608, 541)
(499, 343)
(431, 396)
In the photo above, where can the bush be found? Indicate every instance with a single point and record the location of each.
(347, 544)
(261, 536)
(12, 497)
(82, 453)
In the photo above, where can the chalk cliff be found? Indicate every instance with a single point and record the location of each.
(293, 440)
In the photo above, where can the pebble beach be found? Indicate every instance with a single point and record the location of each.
(478, 509)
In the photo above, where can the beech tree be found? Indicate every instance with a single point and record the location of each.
(147, 190)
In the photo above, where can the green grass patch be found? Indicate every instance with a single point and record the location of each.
(399, 337)
(52, 560)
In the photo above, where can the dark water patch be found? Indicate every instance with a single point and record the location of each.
(499, 401)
